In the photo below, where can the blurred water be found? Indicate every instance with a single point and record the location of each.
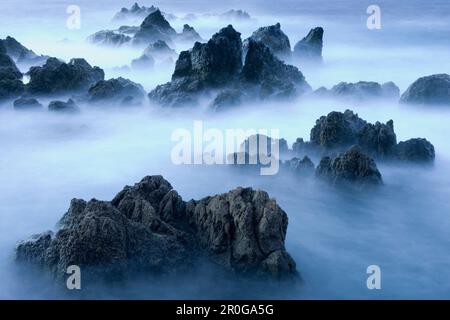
(46, 160)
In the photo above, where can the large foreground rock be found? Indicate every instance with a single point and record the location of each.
(310, 47)
(56, 76)
(432, 90)
(149, 228)
(352, 168)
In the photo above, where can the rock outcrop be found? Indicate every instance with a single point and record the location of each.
(275, 39)
(304, 167)
(160, 50)
(415, 150)
(154, 27)
(66, 107)
(27, 104)
(149, 228)
(309, 49)
(135, 12)
(189, 34)
(144, 63)
(20, 54)
(116, 91)
(11, 84)
(109, 38)
(430, 90)
(56, 76)
(364, 90)
(352, 168)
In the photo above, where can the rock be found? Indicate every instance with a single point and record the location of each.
(109, 38)
(21, 54)
(128, 30)
(365, 90)
(310, 47)
(27, 104)
(189, 34)
(275, 39)
(8, 68)
(148, 228)
(116, 90)
(243, 230)
(260, 144)
(56, 76)
(143, 63)
(226, 99)
(432, 90)
(390, 90)
(11, 88)
(415, 150)
(352, 168)
(274, 77)
(300, 166)
(155, 27)
(207, 65)
(301, 147)
(11, 85)
(338, 131)
(60, 106)
(135, 12)
(160, 50)
(235, 15)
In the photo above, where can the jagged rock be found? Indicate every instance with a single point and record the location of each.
(154, 27)
(274, 78)
(160, 50)
(11, 85)
(20, 53)
(207, 65)
(365, 90)
(310, 47)
(118, 90)
(135, 12)
(243, 230)
(235, 15)
(56, 76)
(300, 166)
(352, 168)
(60, 106)
(301, 147)
(338, 131)
(433, 90)
(143, 63)
(27, 104)
(189, 34)
(149, 228)
(109, 38)
(415, 150)
(275, 39)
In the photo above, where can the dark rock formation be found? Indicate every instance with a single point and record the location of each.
(143, 63)
(226, 99)
(273, 77)
(60, 106)
(21, 54)
(27, 104)
(189, 34)
(154, 27)
(109, 38)
(352, 168)
(433, 90)
(128, 30)
(310, 47)
(118, 90)
(275, 39)
(338, 131)
(11, 85)
(235, 15)
(149, 228)
(300, 166)
(415, 150)
(56, 76)
(135, 12)
(365, 90)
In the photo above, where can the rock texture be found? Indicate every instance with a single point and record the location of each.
(118, 90)
(56, 76)
(149, 228)
(352, 168)
(310, 47)
(60, 106)
(432, 90)
(275, 39)
(11, 84)
(415, 150)
(27, 104)
(154, 27)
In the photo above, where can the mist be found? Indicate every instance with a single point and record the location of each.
(48, 159)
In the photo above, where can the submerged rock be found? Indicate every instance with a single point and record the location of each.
(415, 150)
(432, 90)
(56, 76)
(352, 168)
(60, 106)
(27, 104)
(310, 47)
(275, 39)
(118, 90)
(149, 228)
